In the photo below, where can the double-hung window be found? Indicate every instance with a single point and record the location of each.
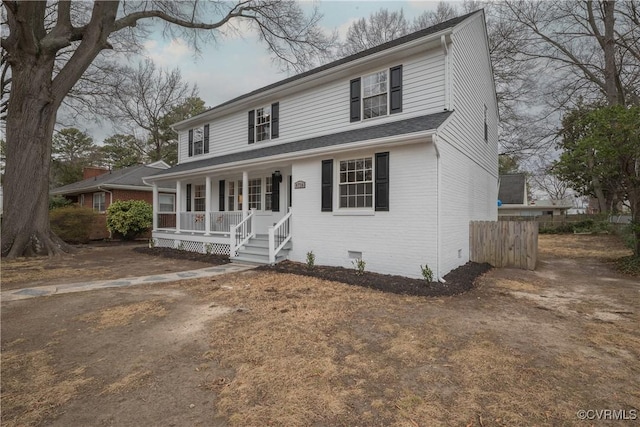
(356, 183)
(199, 140)
(199, 198)
(374, 95)
(99, 202)
(268, 191)
(166, 202)
(263, 123)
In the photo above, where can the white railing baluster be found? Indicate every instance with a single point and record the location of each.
(279, 235)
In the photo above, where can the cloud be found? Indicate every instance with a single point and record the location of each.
(167, 55)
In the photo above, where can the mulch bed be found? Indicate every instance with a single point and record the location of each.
(458, 281)
(186, 255)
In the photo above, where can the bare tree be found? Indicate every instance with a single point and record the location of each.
(444, 11)
(51, 45)
(590, 48)
(142, 97)
(381, 26)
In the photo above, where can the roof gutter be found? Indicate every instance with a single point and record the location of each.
(408, 138)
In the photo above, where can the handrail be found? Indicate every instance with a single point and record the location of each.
(279, 235)
(240, 234)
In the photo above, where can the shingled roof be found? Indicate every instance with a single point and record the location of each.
(384, 46)
(125, 177)
(400, 127)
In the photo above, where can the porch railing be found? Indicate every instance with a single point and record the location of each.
(279, 235)
(241, 233)
(167, 220)
(221, 221)
(192, 221)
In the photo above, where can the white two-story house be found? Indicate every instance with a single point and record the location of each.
(385, 155)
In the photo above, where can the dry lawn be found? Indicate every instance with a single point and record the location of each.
(260, 348)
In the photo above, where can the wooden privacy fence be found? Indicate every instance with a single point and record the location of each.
(504, 243)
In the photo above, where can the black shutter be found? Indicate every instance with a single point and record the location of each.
(275, 192)
(275, 120)
(355, 100)
(382, 181)
(327, 185)
(206, 139)
(290, 189)
(188, 197)
(396, 89)
(252, 125)
(190, 142)
(221, 196)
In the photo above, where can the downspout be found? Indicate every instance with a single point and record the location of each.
(110, 203)
(434, 138)
(447, 90)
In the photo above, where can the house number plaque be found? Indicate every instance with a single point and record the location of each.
(300, 184)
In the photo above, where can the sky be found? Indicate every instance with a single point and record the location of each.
(240, 64)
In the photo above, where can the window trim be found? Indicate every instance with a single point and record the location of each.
(264, 124)
(203, 143)
(173, 203)
(387, 93)
(202, 190)
(356, 210)
(104, 201)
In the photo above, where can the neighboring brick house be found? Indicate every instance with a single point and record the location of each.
(101, 187)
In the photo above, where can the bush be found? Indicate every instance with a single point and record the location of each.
(311, 260)
(129, 218)
(427, 273)
(56, 202)
(72, 224)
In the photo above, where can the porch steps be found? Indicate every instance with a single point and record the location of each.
(256, 251)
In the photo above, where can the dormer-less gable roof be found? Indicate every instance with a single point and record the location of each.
(447, 25)
(119, 178)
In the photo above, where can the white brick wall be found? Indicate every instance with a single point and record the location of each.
(394, 242)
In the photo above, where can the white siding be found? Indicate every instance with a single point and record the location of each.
(469, 164)
(394, 242)
(324, 109)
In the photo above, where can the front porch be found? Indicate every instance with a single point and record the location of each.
(251, 222)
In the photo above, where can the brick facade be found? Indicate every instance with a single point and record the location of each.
(99, 231)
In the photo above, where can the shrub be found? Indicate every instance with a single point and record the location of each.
(56, 202)
(129, 218)
(311, 260)
(427, 273)
(359, 265)
(72, 224)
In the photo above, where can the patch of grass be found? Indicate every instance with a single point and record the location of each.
(129, 382)
(629, 265)
(32, 390)
(602, 246)
(124, 314)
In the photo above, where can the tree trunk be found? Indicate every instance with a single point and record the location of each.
(610, 69)
(30, 121)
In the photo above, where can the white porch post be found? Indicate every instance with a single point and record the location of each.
(155, 206)
(207, 206)
(245, 194)
(178, 204)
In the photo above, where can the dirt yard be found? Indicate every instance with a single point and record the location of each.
(264, 348)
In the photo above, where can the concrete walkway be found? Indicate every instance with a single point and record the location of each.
(25, 293)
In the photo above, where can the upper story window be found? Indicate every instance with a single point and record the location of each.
(199, 141)
(377, 94)
(374, 95)
(264, 123)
